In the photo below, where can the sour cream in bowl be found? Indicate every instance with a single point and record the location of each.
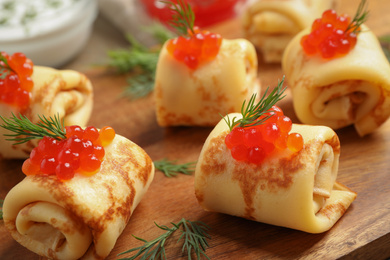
(49, 32)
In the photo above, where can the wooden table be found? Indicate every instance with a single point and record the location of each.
(362, 233)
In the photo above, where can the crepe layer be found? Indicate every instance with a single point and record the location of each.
(349, 90)
(65, 93)
(198, 97)
(294, 190)
(271, 24)
(82, 217)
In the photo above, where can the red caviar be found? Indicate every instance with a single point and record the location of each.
(81, 151)
(199, 47)
(331, 36)
(255, 143)
(15, 79)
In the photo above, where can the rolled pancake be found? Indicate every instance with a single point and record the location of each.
(271, 24)
(353, 89)
(82, 217)
(294, 190)
(196, 97)
(65, 93)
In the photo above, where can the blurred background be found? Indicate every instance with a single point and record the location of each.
(77, 34)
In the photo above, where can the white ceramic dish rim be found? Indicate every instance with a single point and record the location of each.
(71, 15)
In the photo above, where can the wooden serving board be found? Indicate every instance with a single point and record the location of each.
(362, 233)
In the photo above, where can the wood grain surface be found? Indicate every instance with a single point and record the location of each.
(362, 233)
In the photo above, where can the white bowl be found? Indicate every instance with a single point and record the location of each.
(54, 36)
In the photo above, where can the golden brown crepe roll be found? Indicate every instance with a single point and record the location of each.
(65, 93)
(353, 89)
(82, 217)
(271, 24)
(196, 97)
(294, 190)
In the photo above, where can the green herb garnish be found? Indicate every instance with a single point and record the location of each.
(139, 85)
(159, 32)
(54, 3)
(5, 61)
(385, 43)
(183, 18)
(171, 169)
(29, 15)
(137, 56)
(8, 8)
(140, 61)
(9, 5)
(24, 130)
(1, 208)
(194, 234)
(252, 112)
(360, 17)
(5, 69)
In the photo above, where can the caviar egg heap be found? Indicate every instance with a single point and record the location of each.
(61, 151)
(263, 129)
(15, 79)
(194, 46)
(82, 151)
(334, 35)
(338, 89)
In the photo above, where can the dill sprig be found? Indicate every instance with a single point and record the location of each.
(136, 57)
(140, 61)
(194, 234)
(385, 43)
(139, 85)
(1, 208)
(159, 32)
(183, 18)
(4, 67)
(360, 17)
(195, 238)
(10, 7)
(171, 169)
(24, 130)
(3, 59)
(252, 112)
